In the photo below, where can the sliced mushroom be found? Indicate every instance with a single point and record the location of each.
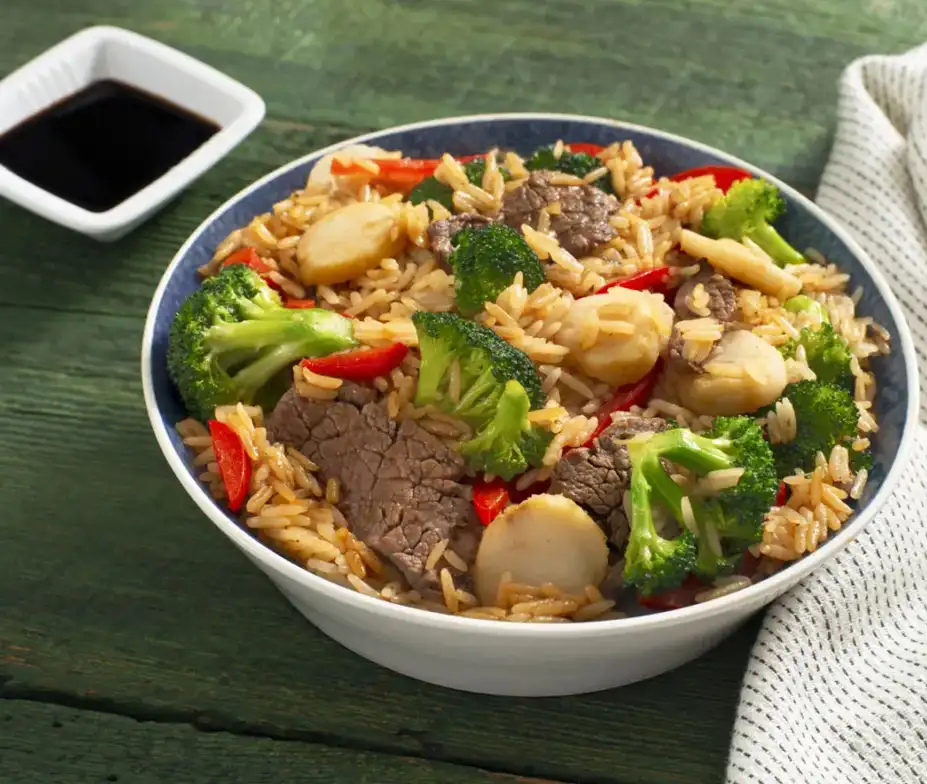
(748, 265)
(618, 336)
(544, 539)
(742, 374)
(347, 242)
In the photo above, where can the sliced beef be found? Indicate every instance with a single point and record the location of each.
(584, 211)
(400, 488)
(722, 299)
(625, 426)
(722, 306)
(596, 477)
(356, 394)
(675, 350)
(440, 233)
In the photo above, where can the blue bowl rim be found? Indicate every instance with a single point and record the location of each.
(759, 593)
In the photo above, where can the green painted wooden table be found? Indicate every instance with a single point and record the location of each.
(135, 644)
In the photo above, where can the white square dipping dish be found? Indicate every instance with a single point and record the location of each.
(112, 53)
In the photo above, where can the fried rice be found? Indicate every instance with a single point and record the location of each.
(292, 511)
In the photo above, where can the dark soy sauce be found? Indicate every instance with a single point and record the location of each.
(102, 144)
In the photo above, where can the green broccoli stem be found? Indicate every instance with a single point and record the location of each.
(669, 494)
(321, 332)
(436, 360)
(252, 377)
(304, 334)
(511, 416)
(772, 242)
(646, 465)
(253, 334)
(653, 563)
(483, 393)
(662, 485)
(695, 452)
(643, 530)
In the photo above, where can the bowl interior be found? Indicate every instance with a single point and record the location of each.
(666, 154)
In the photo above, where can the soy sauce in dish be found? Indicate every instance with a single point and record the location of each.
(102, 144)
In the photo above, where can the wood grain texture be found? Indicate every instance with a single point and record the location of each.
(42, 743)
(118, 596)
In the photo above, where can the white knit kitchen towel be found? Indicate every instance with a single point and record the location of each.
(836, 687)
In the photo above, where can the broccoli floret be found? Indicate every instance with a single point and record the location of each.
(430, 188)
(860, 459)
(475, 170)
(485, 261)
(803, 303)
(735, 515)
(827, 354)
(232, 337)
(732, 442)
(507, 444)
(746, 503)
(486, 362)
(576, 163)
(748, 210)
(825, 416)
(652, 563)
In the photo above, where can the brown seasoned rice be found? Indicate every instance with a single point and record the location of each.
(781, 422)
(815, 507)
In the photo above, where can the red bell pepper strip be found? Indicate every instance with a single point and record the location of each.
(674, 598)
(250, 258)
(298, 304)
(589, 149)
(781, 494)
(234, 463)
(364, 364)
(623, 398)
(390, 166)
(655, 280)
(387, 166)
(401, 173)
(725, 176)
(489, 499)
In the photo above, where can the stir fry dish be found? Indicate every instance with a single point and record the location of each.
(539, 387)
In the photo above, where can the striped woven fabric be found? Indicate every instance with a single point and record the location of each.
(836, 689)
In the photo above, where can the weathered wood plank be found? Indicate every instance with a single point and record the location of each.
(42, 743)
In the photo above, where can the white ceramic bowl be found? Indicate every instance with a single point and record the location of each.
(523, 659)
(112, 53)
